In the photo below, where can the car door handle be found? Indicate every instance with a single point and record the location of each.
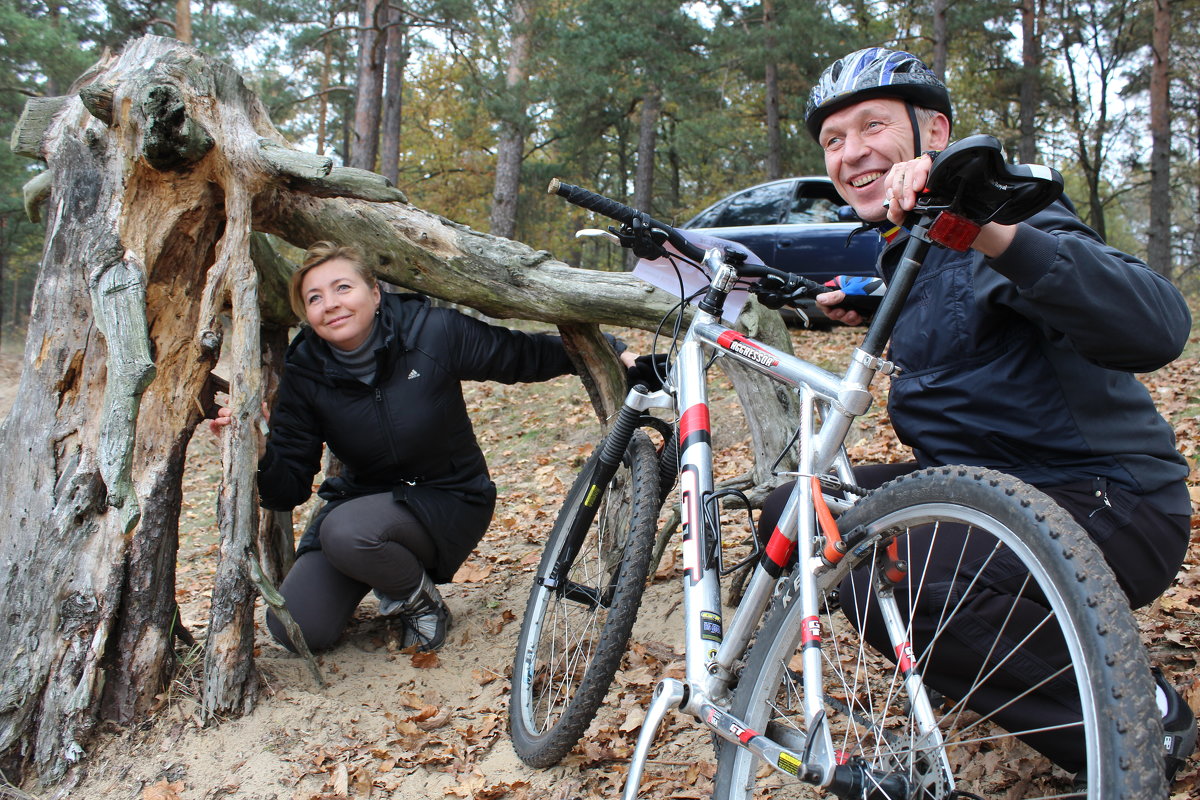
(785, 242)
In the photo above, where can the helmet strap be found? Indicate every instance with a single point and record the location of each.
(916, 131)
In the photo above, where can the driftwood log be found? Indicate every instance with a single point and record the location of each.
(161, 168)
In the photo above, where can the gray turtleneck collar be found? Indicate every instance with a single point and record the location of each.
(360, 362)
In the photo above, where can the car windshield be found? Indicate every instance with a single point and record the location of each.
(814, 202)
(762, 205)
(791, 202)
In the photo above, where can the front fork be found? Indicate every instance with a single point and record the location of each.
(612, 453)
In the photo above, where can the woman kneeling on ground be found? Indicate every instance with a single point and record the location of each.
(377, 377)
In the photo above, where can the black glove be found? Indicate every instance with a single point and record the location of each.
(862, 294)
(775, 292)
(648, 370)
(617, 345)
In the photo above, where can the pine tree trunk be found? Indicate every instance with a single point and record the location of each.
(1030, 96)
(1158, 254)
(643, 174)
(323, 85)
(643, 177)
(771, 89)
(396, 59)
(510, 149)
(183, 21)
(369, 87)
(941, 39)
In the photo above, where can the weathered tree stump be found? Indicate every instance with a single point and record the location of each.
(160, 165)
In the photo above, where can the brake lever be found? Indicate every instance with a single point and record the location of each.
(587, 232)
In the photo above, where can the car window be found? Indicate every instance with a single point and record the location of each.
(814, 202)
(762, 205)
(708, 218)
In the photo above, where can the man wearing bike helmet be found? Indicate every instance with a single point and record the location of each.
(1018, 355)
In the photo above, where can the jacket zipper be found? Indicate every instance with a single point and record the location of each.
(381, 411)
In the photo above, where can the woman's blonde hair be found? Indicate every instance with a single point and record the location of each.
(315, 256)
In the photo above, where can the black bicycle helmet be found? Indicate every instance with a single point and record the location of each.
(874, 72)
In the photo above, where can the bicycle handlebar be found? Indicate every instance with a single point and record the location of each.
(775, 288)
(623, 214)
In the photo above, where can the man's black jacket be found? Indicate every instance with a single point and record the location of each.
(408, 432)
(1024, 363)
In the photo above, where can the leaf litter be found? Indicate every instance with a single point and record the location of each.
(395, 724)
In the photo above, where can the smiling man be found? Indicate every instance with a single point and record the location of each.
(1017, 355)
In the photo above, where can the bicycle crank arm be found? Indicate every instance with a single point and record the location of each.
(669, 694)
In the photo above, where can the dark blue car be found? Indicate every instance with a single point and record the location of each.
(794, 224)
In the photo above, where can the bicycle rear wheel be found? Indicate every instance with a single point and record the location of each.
(574, 634)
(1001, 596)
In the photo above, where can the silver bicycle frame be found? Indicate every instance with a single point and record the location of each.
(710, 649)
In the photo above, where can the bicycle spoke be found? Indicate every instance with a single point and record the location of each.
(574, 633)
(998, 599)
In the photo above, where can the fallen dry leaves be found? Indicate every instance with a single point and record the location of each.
(163, 790)
(535, 439)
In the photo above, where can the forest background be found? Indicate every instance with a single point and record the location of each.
(470, 106)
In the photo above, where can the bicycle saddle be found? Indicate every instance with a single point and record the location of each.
(972, 179)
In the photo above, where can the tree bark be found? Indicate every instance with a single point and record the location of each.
(183, 21)
(229, 682)
(771, 89)
(941, 39)
(151, 204)
(323, 84)
(1029, 92)
(92, 524)
(396, 60)
(1158, 252)
(368, 100)
(510, 148)
(3, 271)
(643, 174)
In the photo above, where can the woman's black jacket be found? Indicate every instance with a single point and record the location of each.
(408, 432)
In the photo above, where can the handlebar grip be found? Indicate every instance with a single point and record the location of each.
(592, 201)
(621, 213)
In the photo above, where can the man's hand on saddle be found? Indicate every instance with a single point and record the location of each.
(907, 180)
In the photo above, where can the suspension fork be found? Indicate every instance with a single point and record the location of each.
(612, 453)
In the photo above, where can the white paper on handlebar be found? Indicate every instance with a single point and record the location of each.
(665, 275)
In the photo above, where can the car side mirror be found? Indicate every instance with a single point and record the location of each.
(848, 214)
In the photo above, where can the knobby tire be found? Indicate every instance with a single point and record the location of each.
(569, 651)
(866, 706)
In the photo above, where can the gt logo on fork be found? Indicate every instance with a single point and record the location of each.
(810, 635)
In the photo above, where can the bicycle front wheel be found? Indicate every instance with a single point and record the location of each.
(1024, 646)
(578, 622)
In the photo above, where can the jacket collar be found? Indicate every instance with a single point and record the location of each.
(401, 317)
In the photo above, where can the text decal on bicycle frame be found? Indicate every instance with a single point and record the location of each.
(736, 343)
(810, 632)
(710, 626)
(719, 719)
(689, 489)
(904, 659)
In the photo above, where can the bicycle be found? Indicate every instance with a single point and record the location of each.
(790, 683)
